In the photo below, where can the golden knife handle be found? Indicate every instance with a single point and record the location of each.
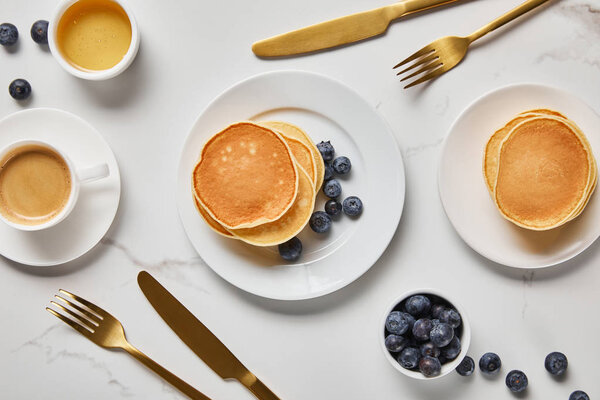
(166, 375)
(261, 391)
(413, 6)
(509, 16)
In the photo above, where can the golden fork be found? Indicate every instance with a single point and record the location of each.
(106, 331)
(445, 53)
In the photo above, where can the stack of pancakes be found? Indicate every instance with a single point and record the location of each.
(540, 170)
(257, 182)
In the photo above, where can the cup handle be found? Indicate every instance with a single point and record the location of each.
(91, 174)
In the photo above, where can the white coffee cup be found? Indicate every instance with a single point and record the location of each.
(77, 176)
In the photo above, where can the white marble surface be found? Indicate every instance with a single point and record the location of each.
(324, 348)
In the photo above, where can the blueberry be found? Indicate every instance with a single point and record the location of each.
(333, 207)
(435, 322)
(430, 366)
(291, 249)
(395, 343)
(417, 305)
(39, 31)
(399, 322)
(451, 317)
(409, 358)
(8, 34)
(516, 381)
(421, 329)
(328, 172)
(320, 222)
(342, 165)
(441, 335)
(19, 89)
(466, 366)
(352, 206)
(556, 363)
(332, 189)
(452, 350)
(579, 395)
(429, 349)
(490, 363)
(436, 310)
(326, 149)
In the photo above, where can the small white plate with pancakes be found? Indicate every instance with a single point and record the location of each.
(326, 110)
(465, 196)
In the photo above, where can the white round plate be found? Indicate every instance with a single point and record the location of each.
(465, 196)
(98, 201)
(326, 110)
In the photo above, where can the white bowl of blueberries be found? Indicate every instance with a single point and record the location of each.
(425, 335)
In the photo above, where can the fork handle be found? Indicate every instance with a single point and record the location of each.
(509, 16)
(166, 375)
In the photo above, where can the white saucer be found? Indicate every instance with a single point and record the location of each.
(326, 110)
(465, 196)
(98, 201)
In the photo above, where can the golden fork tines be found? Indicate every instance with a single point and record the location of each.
(444, 54)
(106, 331)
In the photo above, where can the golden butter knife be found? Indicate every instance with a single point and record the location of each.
(199, 338)
(342, 30)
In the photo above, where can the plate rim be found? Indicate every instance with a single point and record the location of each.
(477, 100)
(117, 174)
(400, 169)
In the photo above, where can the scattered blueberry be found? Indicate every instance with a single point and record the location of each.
(342, 165)
(328, 172)
(421, 329)
(556, 363)
(452, 350)
(352, 206)
(399, 322)
(395, 343)
(466, 367)
(490, 363)
(8, 34)
(430, 366)
(320, 222)
(417, 305)
(333, 189)
(579, 395)
(39, 32)
(326, 149)
(429, 349)
(441, 335)
(409, 358)
(451, 317)
(291, 249)
(516, 381)
(333, 207)
(19, 89)
(436, 310)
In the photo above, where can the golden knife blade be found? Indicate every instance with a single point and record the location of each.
(342, 30)
(199, 338)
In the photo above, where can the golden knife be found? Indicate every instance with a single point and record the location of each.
(342, 30)
(199, 338)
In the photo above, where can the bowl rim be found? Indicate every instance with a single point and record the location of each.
(465, 338)
(93, 75)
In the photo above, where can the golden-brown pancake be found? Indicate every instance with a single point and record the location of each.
(294, 132)
(214, 225)
(246, 176)
(543, 175)
(289, 225)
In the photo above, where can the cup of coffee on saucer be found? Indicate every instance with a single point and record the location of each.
(39, 185)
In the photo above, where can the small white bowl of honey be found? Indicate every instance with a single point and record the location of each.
(93, 39)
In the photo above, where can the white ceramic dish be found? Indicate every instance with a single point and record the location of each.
(466, 199)
(98, 201)
(85, 74)
(327, 110)
(465, 338)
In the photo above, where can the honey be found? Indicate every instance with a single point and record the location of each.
(94, 35)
